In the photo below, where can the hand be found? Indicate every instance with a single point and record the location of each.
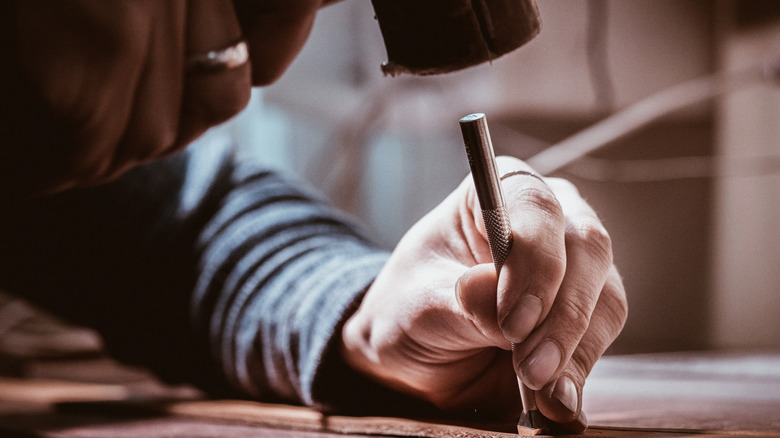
(109, 86)
(437, 324)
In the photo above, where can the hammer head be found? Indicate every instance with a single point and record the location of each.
(426, 37)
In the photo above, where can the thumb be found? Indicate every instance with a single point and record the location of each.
(476, 292)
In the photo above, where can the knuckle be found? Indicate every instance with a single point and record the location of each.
(612, 311)
(123, 46)
(616, 304)
(542, 200)
(585, 356)
(575, 316)
(591, 347)
(121, 30)
(221, 110)
(549, 267)
(94, 170)
(588, 233)
(215, 98)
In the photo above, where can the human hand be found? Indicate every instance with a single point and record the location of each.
(110, 87)
(438, 325)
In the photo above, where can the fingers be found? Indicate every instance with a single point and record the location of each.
(589, 258)
(588, 313)
(152, 128)
(276, 30)
(535, 267)
(84, 61)
(114, 77)
(211, 97)
(561, 399)
(559, 299)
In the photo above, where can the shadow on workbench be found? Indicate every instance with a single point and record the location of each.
(56, 381)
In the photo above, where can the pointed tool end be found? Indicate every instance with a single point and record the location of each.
(533, 423)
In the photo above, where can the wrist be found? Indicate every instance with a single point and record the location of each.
(354, 345)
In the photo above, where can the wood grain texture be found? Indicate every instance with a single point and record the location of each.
(305, 419)
(669, 395)
(689, 390)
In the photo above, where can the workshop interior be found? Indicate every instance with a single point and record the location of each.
(670, 110)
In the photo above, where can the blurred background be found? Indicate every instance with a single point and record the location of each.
(691, 199)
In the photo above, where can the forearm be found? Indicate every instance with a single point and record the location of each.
(272, 308)
(201, 269)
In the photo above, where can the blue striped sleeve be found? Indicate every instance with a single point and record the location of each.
(201, 267)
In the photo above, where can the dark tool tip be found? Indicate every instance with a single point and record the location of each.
(533, 423)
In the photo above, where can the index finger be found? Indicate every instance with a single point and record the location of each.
(534, 269)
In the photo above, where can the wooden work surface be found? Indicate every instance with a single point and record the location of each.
(704, 394)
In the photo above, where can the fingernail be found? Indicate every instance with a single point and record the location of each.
(541, 365)
(523, 318)
(565, 391)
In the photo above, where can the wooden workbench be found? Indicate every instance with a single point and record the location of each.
(705, 394)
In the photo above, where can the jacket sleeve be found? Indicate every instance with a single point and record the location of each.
(202, 267)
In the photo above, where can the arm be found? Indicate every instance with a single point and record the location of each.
(233, 279)
(204, 269)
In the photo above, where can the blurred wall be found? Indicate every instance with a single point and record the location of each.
(649, 45)
(746, 269)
